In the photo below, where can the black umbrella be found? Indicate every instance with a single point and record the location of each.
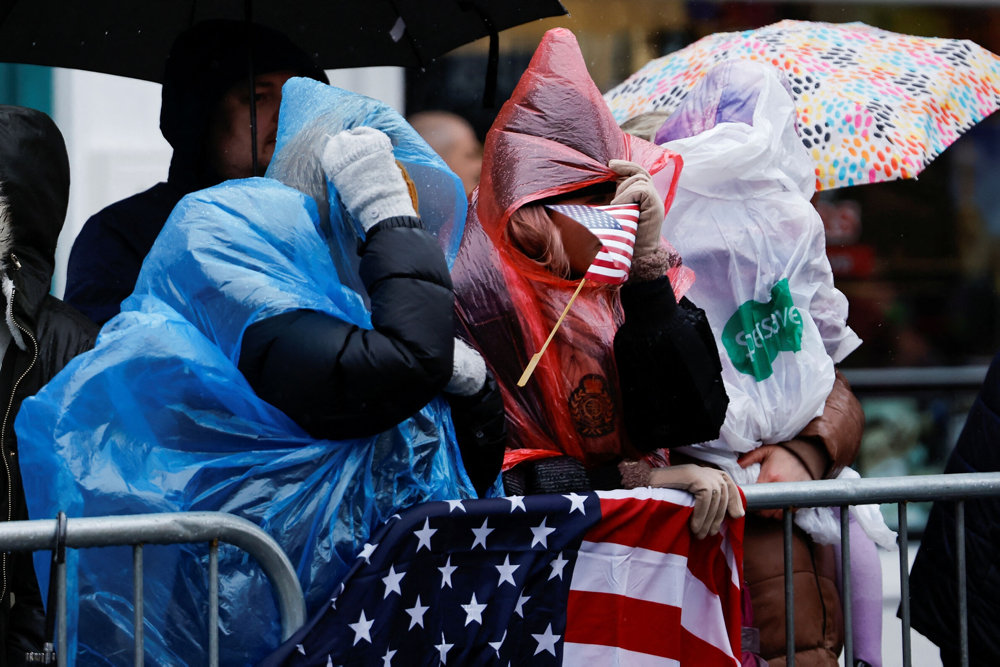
(132, 38)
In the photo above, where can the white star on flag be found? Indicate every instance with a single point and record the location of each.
(516, 502)
(481, 534)
(387, 658)
(576, 502)
(362, 629)
(455, 505)
(546, 641)
(519, 607)
(541, 533)
(416, 613)
(496, 645)
(367, 551)
(333, 600)
(474, 611)
(446, 571)
(424, 535)
(443, 649)
(391, 581)
(558, 563)
(506, 571)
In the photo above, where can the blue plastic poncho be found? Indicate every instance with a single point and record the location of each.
(157, 418)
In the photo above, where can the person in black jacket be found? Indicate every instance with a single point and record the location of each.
(205, 117)
(40, 334)
(933, 585)
(340, 381)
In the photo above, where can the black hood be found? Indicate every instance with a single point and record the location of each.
(34, 183)
(204, 63)
(34, 177)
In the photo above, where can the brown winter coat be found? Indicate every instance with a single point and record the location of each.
(819, 627)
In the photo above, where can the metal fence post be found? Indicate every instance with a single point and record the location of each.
(137, 616)
(903, 539)
(789, 590)
(845, 577)
(963, 601)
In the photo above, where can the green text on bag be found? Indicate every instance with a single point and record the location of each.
(757, 332)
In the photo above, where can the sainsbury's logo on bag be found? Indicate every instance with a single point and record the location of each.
(757, 332)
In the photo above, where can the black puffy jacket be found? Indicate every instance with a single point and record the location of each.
(338, 380)
(44, 332)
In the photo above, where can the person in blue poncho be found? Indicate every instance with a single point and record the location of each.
(287, 356)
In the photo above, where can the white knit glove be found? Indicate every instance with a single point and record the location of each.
(468, 371)
(363, 169)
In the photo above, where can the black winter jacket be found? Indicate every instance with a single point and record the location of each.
(933, 588)
(670, 378)
(45, 333)
(339, 381)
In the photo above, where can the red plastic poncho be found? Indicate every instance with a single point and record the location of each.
(554, 136)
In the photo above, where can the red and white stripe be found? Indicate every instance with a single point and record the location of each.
(614, 261)
(677, 598)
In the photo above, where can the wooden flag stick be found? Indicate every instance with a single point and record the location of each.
(530, 368)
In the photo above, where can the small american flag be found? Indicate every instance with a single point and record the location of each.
(599, 578)
(615, 227)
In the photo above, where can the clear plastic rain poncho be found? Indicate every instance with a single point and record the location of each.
(743, 220)
(157, 418)
(554, 136)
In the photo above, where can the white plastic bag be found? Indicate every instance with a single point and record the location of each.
(742, 219)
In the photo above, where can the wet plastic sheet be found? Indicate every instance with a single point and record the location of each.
(742, 219)
(554, 136)
(158, 418)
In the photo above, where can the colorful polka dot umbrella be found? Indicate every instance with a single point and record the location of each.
(872, 105)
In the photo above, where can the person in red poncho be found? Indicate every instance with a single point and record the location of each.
(631, 371)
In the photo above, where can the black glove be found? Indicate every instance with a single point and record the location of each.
(481, 428)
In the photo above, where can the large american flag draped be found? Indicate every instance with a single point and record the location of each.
(615, 227)
(579, 579)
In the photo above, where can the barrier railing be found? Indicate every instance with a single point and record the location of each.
(899, 490)
(171, 528)
(215, 527)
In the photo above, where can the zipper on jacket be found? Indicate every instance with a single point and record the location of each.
(6, 454)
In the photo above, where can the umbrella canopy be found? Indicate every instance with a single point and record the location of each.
(872, 105)
(133, 39)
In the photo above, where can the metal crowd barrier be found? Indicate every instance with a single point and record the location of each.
(170, 528)
(215, 527)
(899, 490)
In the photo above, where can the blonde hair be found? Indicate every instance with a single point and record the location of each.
(531, 231)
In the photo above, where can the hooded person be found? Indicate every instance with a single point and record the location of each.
(743, 219)
(286, 356)
(40, 335)
(630, 370)
(204, 116)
